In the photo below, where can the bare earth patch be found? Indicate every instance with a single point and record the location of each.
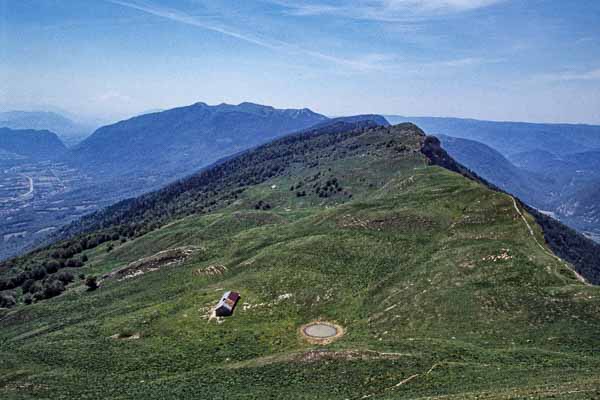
(126, 336)
(211, 270)
(159, 260)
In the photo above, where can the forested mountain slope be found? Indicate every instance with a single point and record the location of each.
(181, 140)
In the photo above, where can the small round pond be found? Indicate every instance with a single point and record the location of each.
(320, 330)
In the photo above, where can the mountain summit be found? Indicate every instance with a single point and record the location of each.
(185, 138)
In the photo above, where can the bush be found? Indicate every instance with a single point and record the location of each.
(52, 266)
(40, 273)
(37, 287)
(7, 300)
(28, 299)
(39, 296)
(27, 285)
(91, 283)
(65, 277)
(73, 263)
(53, 288)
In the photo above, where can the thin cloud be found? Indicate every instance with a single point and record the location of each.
(384, 10)
(372, 62)
(591, 75)
(272, 44)
(466, 62)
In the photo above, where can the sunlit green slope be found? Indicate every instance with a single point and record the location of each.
(442, 290)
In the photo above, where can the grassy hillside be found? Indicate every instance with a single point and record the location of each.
(439, 283)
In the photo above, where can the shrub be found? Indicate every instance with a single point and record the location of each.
(28, 298)
(52, 265)
(39, 296)
(91, 283)
(7, 300)
(65, 277)
(73, 263)
(53, 288)
(39, 273)
(36, 287)
(26, 286)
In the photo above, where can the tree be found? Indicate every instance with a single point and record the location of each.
(53, 288)
(91, 283)
(52, 266)
(39, 273)
(65, 277)
(27, 285)
(7, 300)
(37, 287)
(73, 263)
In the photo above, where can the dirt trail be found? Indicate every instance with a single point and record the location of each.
(579, 277)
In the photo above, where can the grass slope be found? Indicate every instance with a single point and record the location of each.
(436, 279)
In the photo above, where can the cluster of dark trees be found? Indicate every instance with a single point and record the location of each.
(329, 188)
(43, 280)
(322, 189)
(39, 273)
(261, 205)
(35, 289)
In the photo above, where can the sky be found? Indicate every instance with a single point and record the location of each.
(518, 60)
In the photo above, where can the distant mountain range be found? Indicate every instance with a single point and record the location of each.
(494, 167)
(145, 152)
(31, 144)
(512, 137)
(159, 146)
(142, 154)
(553, 167)
(69, 131)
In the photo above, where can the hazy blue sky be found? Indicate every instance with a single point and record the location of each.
(534, 60)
